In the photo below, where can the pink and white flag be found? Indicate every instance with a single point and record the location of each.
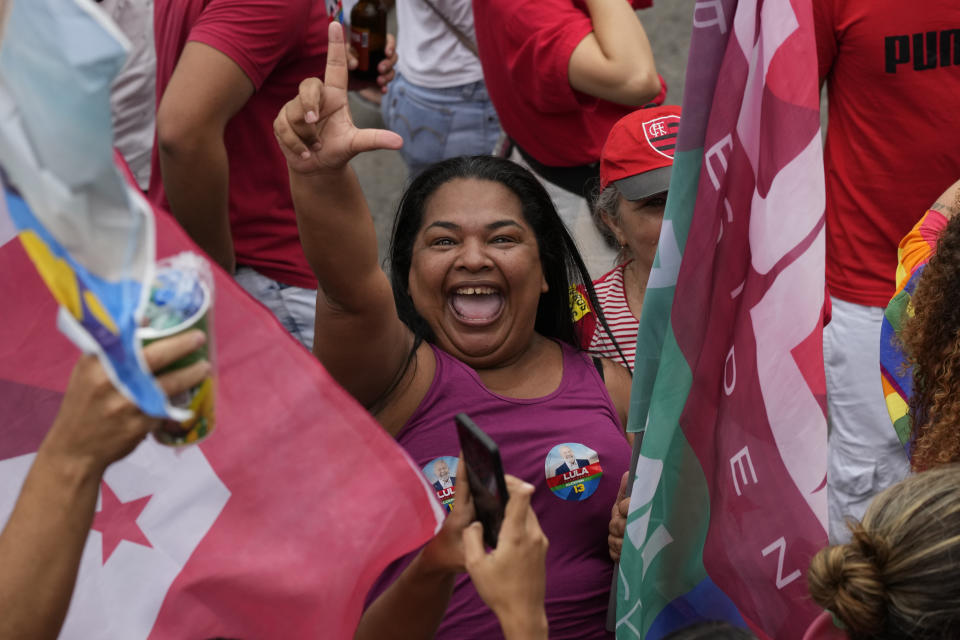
(273, 527)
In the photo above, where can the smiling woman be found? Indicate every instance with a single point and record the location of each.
(485, 215)
(475, 317)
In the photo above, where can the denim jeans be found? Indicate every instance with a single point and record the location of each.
(440, 123)
(294, 307)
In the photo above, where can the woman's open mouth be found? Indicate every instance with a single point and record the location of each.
(477, 305)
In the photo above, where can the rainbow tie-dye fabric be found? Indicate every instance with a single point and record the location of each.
(912, 256)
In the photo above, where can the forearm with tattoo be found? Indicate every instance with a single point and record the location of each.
(951, 195)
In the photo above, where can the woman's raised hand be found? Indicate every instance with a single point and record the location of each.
(315, 130)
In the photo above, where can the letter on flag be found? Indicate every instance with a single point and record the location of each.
(729, 498)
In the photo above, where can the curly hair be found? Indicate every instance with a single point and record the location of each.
(897, 578)
(931, 339)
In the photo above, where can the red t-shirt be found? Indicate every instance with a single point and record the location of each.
(893, 77)
(525, 48)
(277, 43)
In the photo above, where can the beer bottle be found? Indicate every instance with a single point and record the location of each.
(368, 36)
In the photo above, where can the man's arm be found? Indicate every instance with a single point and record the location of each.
(206, 90)
(42, 544)
(615, 62)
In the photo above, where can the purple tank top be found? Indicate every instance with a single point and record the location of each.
(569, 446)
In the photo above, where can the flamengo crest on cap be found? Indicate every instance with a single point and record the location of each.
(661, 134)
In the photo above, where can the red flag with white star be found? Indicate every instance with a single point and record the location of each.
(273, 527)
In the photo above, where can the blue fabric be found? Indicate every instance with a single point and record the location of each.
(118, 345)
(440, 123)
(704, 602)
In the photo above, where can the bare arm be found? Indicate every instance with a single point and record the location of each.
(363, 343)
(949, 202)
(206, 90)
(40, 547)
(412, 607)
(615, 62)
(42, 542)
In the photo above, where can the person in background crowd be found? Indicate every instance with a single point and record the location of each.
(929, 335)
(560, 74)
(438, 101)
(883, 62)
(133, 94)
(475, 314)
(635, 168)
(896, 578)
(224, 69)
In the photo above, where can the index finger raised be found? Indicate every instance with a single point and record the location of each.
(336, 72)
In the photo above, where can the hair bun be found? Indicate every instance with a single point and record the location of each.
(847, 579)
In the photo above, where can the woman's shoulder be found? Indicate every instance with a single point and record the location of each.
(614, 377)
(612, 276)
(411, 389)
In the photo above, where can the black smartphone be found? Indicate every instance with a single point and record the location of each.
(485, 475)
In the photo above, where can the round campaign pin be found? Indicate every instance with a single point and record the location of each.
(442, 475)
(573, 471)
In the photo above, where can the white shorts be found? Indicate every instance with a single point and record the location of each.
(864, 455)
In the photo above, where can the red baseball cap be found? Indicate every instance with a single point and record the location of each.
(638, 154)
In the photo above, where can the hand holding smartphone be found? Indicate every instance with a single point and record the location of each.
(485, 475)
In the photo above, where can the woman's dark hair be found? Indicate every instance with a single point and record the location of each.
(559, 259)
(931, 339)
